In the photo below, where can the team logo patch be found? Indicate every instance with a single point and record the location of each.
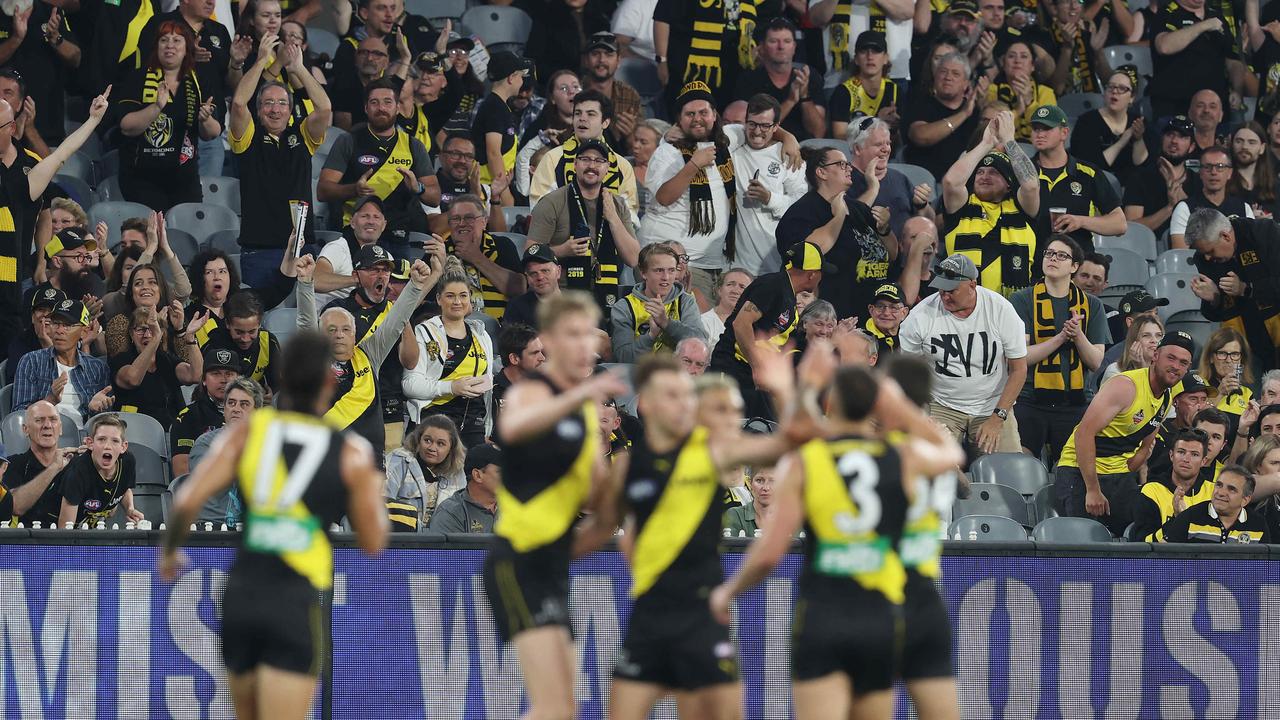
(724, 650)
(1042, 112)
(339, 370)
(215, 41)
(160, 131)
(642, 489)
(293, 141)
(50, 293)
(1017, 263)
(1076, 188)
(223, 357)
(433, 349)
(775, 168)
(1138, 417)
(1248, 257)
(369, 160)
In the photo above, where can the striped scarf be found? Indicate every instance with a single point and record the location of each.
(702, 210)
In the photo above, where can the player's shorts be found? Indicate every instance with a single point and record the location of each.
(525, 592)
(681, 650)
(926, 650)
(858, 633)
(274, 624)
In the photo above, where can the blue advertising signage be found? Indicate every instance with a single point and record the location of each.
(89, 632)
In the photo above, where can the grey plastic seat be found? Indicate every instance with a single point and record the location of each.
(1176, 288)
(437, 9)
(1139, 57)
(281, 322)
(1077, 104)
(77, 188)
(322, 42)
(916, 175)
(1199, 329)
(828, 143)
(514, 213)
(224, 191)
(151, 469)
(499, 27)
(986, 528)
(151, 506)
(517, 240)
(994, 499)
(15, 441)
(78, 165)
(144, 430)
(1070, 530)
(642, 75)
(1019, 471)
(1128, 269)
(201, 219)
(228, 241)
(1177, 260)
(114, 212)
(1045, 502)
(183, 244)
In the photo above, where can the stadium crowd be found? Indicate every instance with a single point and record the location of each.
(1066, 207)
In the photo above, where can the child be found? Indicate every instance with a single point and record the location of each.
(95, 482)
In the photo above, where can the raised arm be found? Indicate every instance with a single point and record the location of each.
(248, 85)
(421, 278)
(42, 174)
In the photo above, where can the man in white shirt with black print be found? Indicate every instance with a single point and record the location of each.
(767, 188)
(978, 348)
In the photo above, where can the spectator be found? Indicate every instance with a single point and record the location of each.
(1269, 388)
(694, 355)
(1191, 52)
(1254, 176)
(66, 214)
(459, 175)
(1153, 191)
(1215, 424)
(921, 235)
(600, 66)
(1067, 183)
(427, 469)
(1077, 49)
(872, 142)
(998, 31)
(940, 123)
(1227, 368)
(147, 288)
(1138, 350)
(748, 520)
(494, 128)
(368, 303)
(884, 317)
(1206, 116)
(588, 227)
(427, 103)
(633, 24)
(1016, 87)
(473, 509)
(762, 200)
(708, 44)
(1223, 519)
(1164, 496)
(38, 334)
(542, 277)
(817, 322)
(491, 262)
(794, 85)
(274, 156)
(1238, 270)
(43, 51)
(454, 373)
(643, 141)
(993, 224)
(335, 271)
(93, 483)
(72, 380)
(376, 20)
(72, 255)
(149, 380)
(1091, 276)
(973, 392)
(553, 125)
(221, 367)
(1097, 472)
(1066, 333)
(1215, 175)
(592, 114)
(1189, 399)
(1112, 137)
(257, 348)
(149, 238)
(562, 33)
(214, 278)
(33, 477)
(163, 117)
(385, 162)
(658, 313)
(765, 317)
(352, 82)
(852, 236)
(869, 92)
(728, 290)
(243, 397)
(522, 353)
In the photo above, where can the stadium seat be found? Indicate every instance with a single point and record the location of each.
(1176, 287)
(1044, 503)
(107, 189)
(143, 430)
(624, 371)
(183, 245)
(152, 470)
(987, 528)
(228, 241)
(1017, 470)
(1070, 530)
(78, 165)
(1128, 269)
(6, 398)
(1139, 57)
(330, 138)
(916, 175)
(434, 10)
(518, 241)
(322, 42)
(1198, 328)
(151, 507)
(499, 27)
(281, 322)
(1115, 183)
(92, 147)
(831, 143)
(77, 189)
(1140, 239)
(326, 236)
(233, 259)
(1077, 104)
(994, 499)
(15, 441)
(202, 220)
(1177, 260)
(642, 75)
(106, 167)
(114, 212)
(224, 191)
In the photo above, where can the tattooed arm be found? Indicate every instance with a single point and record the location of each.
(1023, 169)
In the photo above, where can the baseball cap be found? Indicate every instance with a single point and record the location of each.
(967, 7)
(400, 270)
(220, 358)
(1179, 124)
(871, 40)
(888, 291)
(361, 202)
(371, 255)
(1191, 382)
(480, 457)
(457, 39)
(1050, 116)
(47, 297)
(953, 271)
(69, 239)
(1140, 301)
(807, 256)
(503, 64)
(72, 311)
(539, 253)
(603, 40)
(594, 144)
(429, 62)
(1178, 338)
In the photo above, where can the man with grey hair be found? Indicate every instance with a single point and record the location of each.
(940, 123)
(1238, 281)
(242, 398)
(694, 355)
(856, 346)
(871, 141)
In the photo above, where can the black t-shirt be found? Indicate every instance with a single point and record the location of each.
(158, 395)
(774, 297)
(1266, 64)
(1091, 136)
(494, 116)
(169, 142)
(1198, 66)
(1080, 188)
(1146, 187)
(450, 189)
(275, 173)
(196, 419)
(43, 72)
(213, 36)
(23, 469)
(939, 157)
(522, 310)
(756, 81)
(861, 260)
(467, 413)
(96, 497)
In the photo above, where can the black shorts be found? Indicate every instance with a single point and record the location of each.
(681, 650)
(525, 592)
(858, 633)
(926, 648)
(269, 623)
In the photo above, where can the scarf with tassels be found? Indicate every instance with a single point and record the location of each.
(702, 210)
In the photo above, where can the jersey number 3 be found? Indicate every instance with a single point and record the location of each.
(862, 474)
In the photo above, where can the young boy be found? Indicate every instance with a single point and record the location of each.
(95, 482)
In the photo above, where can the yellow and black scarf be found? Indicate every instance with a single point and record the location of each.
(702, 210)
(711, 18)
(598, 272)
(1048, 382)
(838, 35)
(564, 168)
(188, 94)
(1083, 77)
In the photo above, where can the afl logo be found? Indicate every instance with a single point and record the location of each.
(567, 429)
(368, 160)
(642, 490)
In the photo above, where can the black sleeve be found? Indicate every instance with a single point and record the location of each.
(1104, 195)
(764, 293)
(1146, 518)
(128, 472)
(669, 11)
(119, 360)
(795, 226)
(1175, 531)
(508, 258)
(816, 93)
(839, 106)
(1133, 191)
(1266, 289)
(72, 483)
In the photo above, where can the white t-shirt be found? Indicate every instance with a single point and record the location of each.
(755, 241)
(338, 253)
(634, 19)
(898, 36)
(671, 222)
(969, 371)
(714, 326)
(1182, 213)
(70, 402)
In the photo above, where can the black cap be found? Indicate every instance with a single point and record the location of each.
(220, 358)
(967, 7)
(69, 238)
(603, 40)
(1178, 338)
(371, 255)
(47, 297)
(400, 270)
(1191, 382)
(871, 40)
(539, 253)
(72, 311)
(362, 201)
(594, 144)
(888, 291)
(429, 62)
(1181, 125)
(1140, 301)
(459, 40)
(480, 457)
(504, 64)
(696, 90)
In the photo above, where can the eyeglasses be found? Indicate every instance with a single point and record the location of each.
(459, 51)
(682, 259)
(590, 160)
(1058, 255)
(144, 330)
(842, 164)
(886, 307)
(753, 125)
(5, 125)
(575, 89)
(1224, 355)
(78, 257)
(1119, 89)
(464, 219)
(459, 155)
(1217, 167)
(271, 103)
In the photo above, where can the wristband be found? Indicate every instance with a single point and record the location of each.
(421, 188)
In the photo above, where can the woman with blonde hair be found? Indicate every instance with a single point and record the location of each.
(1140, 347)
(424, 471)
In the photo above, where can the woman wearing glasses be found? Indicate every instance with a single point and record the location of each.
(1226, 366)
(1110, 137)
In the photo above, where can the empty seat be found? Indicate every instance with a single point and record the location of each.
(326, 236)
(1177, 260)
(201, 219)
(281, 322)
(830, 143)
(1070, 530)
(498, 25)
(6, 398)
(1017, 470)
(916, 175)
(151, 507)
(994, 499)
(1176, 288)
(1077, 104)
(76, 188)
(1045, 502)
(78, 165)
(322, 42)
(144, 430)
(152, 470)
(1140, 239)
(513, 214)
(228, 241)
(1139, 57)
(183, 245)
(987, 528)
(224, 191)
(437, 9)
(107, 189)
(114, 212)
(1127, 269)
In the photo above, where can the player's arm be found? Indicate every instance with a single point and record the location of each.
(602, 505)
(365, 504)
(530, 409)
(214, 475)
(1115, 395)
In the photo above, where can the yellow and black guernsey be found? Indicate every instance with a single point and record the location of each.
(998, 237)
(256, 362)
(289, 480)
(852, 99)
(275, 175)
(1154, 505)
(502, 253)
(1119, 440)
(385, 157)
(640, 319)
